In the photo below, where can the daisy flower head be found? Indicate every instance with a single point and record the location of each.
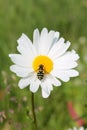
(43, 62)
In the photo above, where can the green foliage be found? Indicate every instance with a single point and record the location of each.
(69, 17)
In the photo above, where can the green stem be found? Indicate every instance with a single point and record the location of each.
(33, 111)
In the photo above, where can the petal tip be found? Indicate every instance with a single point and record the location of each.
(10, 55)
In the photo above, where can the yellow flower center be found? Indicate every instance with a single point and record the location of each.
(45, 61)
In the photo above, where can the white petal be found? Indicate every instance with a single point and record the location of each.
(69, 55)
(21, 71)
(52, 39)
(25, 46)
(72, 73)
(43, 41)
(47, 40)
(36, 38)
(26, 81)
(45, 94)
(65, 74)
(72, 55)
(34, 85)
(66, 65)
(56, 46)
(53, 80)
(49, 43)
(20, 60)
(59, 48)
(67, 61)
(61, 75)
(55, 37)
(47, 87)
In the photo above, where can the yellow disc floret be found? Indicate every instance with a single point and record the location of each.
(43, 60)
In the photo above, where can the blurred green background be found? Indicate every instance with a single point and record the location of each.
(69, 17)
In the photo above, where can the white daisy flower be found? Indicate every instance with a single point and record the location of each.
(43, 62)
(75, 128)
